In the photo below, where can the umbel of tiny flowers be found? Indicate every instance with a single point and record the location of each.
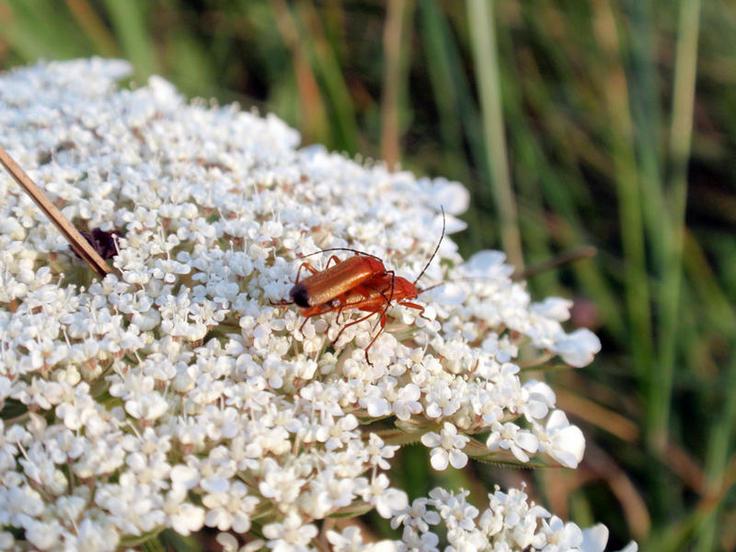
(173, 395)
(511, 522)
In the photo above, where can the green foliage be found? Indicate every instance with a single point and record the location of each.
(620, 128)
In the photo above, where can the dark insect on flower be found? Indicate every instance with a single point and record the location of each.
(102, 241)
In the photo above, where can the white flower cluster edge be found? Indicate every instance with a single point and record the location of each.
(175, 394)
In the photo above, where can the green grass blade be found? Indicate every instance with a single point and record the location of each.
(190, 65)
(329, 73)
(396, 57)
(297, 98)
(483, 35)
(558, 171)
(627, 182)
(130, 21)
(441, 58)
(93, 27)
(645, 107)
(41, 29)
(679, 150)
(719, 453)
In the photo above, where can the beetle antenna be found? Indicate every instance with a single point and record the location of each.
(356, 251)
(436, 249)
(435, 286)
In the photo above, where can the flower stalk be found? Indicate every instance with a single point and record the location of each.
(80, 245)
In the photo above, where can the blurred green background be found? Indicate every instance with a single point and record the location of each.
(573, 123)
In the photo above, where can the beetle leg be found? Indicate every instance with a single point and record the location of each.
(314, 311)
(308, 266)
(382, 321)
(338, 315)
(340, 311)
(393, 283)
(360, 289)
(420, 308)
(343, 305)
(332, 258)
(337, 305)
(353, 323)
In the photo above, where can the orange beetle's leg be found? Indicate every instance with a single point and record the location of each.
(315, 311)
(420, 308)
(339, 310)
(382, 321)
(337, 316)
(364, 292)
(364, 305)
(332, 258)
(371, 311)
(309, 266)
(393, 284)
(353, 323)
(324, 309)
(307, 314)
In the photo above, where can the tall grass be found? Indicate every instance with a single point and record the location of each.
(595, 122)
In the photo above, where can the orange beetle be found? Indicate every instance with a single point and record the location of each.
(360, 282)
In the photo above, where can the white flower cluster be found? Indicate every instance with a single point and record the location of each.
(176, 393)
(511, 522)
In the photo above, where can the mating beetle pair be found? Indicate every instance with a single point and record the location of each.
(360, 282)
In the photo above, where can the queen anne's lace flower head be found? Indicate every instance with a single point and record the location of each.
(177, 392)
